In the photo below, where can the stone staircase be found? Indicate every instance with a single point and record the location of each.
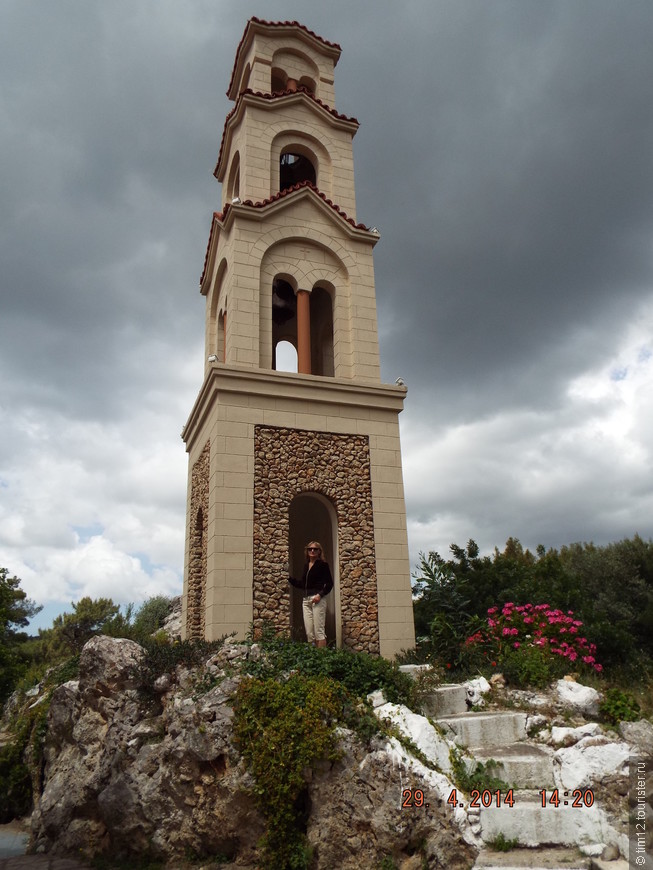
(549, 836)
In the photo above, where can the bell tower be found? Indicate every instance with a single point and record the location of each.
(277, 457)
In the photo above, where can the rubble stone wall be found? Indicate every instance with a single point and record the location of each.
(288, 462)
(199, 513)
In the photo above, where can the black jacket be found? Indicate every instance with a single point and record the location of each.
(317, 581)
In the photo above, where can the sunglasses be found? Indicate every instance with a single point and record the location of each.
(313, 549)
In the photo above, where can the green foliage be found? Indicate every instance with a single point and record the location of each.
(531, 666)
(502, 844)
(482, 777)
(70, 631)
(360, 673)
(15, 612)
(150, 617)
(609, 588)
(15, 778)
(618, 706)
(25, 748)
(163, 657)
(282, 729)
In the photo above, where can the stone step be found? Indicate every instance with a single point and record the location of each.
(523, 765)
(531, 824)
(534, 859)
(485, 730)
(445, 701)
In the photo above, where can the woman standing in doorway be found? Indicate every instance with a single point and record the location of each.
(316, 583)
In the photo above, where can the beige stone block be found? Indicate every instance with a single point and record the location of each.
(237, 512)
(394, 600)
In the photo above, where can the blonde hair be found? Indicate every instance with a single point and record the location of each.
(313, 544)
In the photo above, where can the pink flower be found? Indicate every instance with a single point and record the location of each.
(589, 660)
(516, 645)
(492, 609)
(505, 632)
(598, 668)
(528, 620)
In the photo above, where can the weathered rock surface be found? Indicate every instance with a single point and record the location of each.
(161, 777)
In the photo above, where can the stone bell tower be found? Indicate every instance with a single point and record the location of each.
(277, 458)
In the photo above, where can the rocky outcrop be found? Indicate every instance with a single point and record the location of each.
(162, 777)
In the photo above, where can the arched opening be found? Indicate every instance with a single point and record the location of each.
(196, 580)
(284, 316)
(322, 332)
(308, 84)
(233, 183)
(245, 80)
(222, 343)
(278, 80)
(313, 517)
(285, 357)
(295, 168)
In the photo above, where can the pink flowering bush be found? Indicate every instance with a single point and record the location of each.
(533, 643)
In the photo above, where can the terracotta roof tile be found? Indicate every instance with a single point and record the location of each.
(216, 216)
(300, 89)
(276, 24)
(220, 216)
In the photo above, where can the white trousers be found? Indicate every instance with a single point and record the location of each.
(314, 618)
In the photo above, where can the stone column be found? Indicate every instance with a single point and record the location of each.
(303, 332)
(224, 337)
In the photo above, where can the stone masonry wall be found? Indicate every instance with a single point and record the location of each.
(198, 520)
(292, 461)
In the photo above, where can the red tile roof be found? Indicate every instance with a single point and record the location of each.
(220, 216)
(300, 89)
(275, 24)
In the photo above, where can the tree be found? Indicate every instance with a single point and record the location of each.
(16, 610)
(70, 631)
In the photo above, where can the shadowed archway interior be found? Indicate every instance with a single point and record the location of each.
(312, 518)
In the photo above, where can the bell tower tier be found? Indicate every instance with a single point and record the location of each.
(278, 458)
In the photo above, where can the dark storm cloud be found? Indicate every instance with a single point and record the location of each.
(505, 155)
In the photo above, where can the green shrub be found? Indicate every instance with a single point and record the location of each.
(162, 657)
(282, 729)
(502, 844)
(482, 777)
(359, 672)
(15, 779)
(618, 706)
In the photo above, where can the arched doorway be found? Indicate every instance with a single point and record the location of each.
(313, 517)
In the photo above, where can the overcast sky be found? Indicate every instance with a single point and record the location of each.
(506, 156)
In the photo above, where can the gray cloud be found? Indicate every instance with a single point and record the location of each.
(505, 155)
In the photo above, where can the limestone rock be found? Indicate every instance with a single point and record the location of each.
(475, 690)
(136, 774)
(172, 622)
(590, 760)
(639, 735)
(579, 697)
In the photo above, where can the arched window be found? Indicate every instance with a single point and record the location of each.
(322, 332)
(308, 84)
(233, 184)
(295, 168)
(285, 357)
(197, 580)
(284, 317)
(222, 342)
(278, 81)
